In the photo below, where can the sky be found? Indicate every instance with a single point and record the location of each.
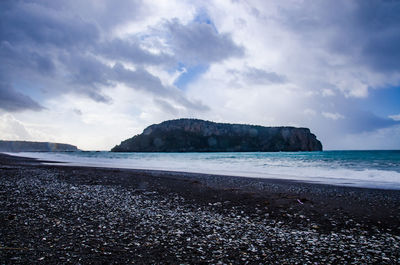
(95, 72)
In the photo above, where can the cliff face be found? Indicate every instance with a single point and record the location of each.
(25, 146)
(190, 135)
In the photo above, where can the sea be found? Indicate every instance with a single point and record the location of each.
(370, 169)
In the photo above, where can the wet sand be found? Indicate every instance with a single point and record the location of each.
(61, 214)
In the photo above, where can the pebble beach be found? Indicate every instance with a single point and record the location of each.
(53, 214)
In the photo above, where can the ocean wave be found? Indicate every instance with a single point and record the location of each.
(376, 170)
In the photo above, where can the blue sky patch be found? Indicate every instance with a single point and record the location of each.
(383, 102)
(190, 75)
(203, 18)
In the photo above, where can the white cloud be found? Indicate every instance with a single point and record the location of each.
(12, 128)
(327, 92)
(333, 116)
(395, 117)
(310, 112)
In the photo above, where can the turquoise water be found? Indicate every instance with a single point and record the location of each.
(378, 169)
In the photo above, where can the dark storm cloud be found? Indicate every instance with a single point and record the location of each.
(14, 59)
(366, 31)
(16, 63)
(261, 76)
(381, 23)
(255, 76)
(87, 71)
(166, 107)
(34, 24)
(65, 45)
(130, 51)
(32, 38)
(101, 14)
(104, 13)
(11, 100)
(371, 32)
(143, 80)
(139, 79)
(199, 43)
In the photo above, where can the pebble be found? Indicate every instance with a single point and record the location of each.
(77, 223)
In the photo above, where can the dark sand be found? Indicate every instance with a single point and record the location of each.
(81, 215)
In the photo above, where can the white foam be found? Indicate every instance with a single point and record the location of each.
(235, 164)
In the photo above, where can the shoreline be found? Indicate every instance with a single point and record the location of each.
(21, 160)
(156, 204)
(321, 179)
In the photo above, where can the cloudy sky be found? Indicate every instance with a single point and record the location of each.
(92, 73)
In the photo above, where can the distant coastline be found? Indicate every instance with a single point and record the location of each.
(29, 146)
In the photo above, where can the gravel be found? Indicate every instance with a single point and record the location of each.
(53, 214)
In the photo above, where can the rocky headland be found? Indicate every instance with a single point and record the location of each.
(193, 135)
(26, 146)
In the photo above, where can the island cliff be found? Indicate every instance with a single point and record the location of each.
(26, 146)
(192, 135)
